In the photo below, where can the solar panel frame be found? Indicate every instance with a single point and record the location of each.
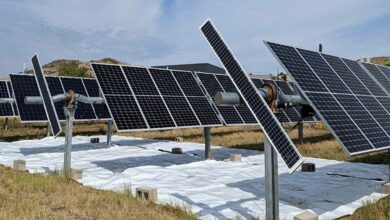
(290, 147)
(12, 95)
(47, 99)
(328, 92)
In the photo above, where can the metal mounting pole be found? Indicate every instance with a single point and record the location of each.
(69, 113)
(207, 143)
(109, 133)
(271, 181)
(48, 130)
(6, 124)
(300, 132)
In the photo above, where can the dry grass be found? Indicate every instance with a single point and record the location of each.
(34, 196)
(372, 211)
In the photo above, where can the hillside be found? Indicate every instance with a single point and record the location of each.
(385, 60)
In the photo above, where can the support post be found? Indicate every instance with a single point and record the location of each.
(48, 130)
(300, 132)
(271, 181)
(69, 113)
(207, 143)
(6, 124)
(109, 133)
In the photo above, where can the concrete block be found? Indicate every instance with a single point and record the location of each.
(306, 215)
(308, 167)
(19, 165)
(76, 174)
(235, 157)
(147, 193)
(177, 150)
(95, 140)
(179, 139)
(386, 188)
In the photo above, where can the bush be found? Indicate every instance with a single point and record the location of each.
(72, 69)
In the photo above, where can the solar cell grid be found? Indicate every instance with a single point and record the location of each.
(378, 75)
(360, 73)
(25, 85)
(188, 83)
(155, 111)
(181, 111)
(344, 128)
(363, 119)
(258, 83)
(112, 74)
(295, 64)
(5, 108)
(210, 83)
(165, 82)
(377, 111)
(265, 117)
(324, 72)
(204, 111)
(140, 80)
(346, 75)
(385, 70)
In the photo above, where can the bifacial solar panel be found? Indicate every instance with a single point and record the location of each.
(265, 118)
(92, 88)
(11, 92)
(25, 85)
(385, 70)
(46, 97)
(5, 108)
(258, 82)
(350, 106)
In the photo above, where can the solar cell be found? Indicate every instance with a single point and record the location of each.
(205, 112)
(46, 97)
(181, 111)
(385, 70)
(376, 109)
(188, 83)
(84, 111)
(252, 98)
(165, 82)
(155, 111)
(258, 83)
(140, 81)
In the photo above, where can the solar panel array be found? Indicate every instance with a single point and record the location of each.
(264, 116)
(142, 98)
(6, 109)
(25, 85)
(351, 98)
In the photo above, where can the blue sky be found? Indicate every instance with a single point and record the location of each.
(154, 32)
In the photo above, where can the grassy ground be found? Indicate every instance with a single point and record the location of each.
(34, 196)
(318, 142)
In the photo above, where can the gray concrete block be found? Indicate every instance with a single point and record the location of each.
(19, 165)
(306, 215)
(147, 193)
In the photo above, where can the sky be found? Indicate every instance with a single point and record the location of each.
(159, 32)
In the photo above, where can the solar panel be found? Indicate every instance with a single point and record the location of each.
(11, 92)
(5, 108)
(84, 111)
(350, 106)
(26, 85)
(46, 97)
(92, 88)
(258, 82)
(271, 127)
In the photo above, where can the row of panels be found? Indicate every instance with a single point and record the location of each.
(352, 98)
(26, 85)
